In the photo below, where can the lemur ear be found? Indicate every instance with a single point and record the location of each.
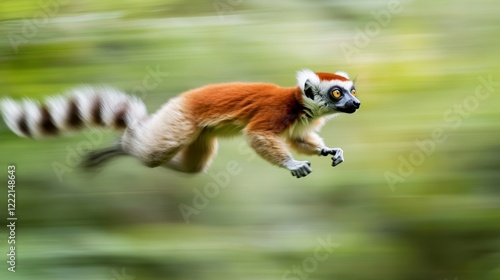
(309, 89)
(308, 82)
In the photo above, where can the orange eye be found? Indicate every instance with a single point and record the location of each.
(336, 94)
(353, 92)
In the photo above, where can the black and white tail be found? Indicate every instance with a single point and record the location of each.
(82, 107)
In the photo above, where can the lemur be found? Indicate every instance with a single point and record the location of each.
(182, 134)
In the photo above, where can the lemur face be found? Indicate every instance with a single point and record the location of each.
(343, 99)
(328, 93)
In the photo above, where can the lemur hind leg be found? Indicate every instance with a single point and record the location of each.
(158, 139)
(196, 156)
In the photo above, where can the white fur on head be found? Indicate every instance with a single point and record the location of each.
(308, 75)
(304, 75)
(343, 74)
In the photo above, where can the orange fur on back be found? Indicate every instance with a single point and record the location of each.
(263, 107)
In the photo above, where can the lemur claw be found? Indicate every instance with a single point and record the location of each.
(338, 157)
(300, 169)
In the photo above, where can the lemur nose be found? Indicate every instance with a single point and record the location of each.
(356, 104)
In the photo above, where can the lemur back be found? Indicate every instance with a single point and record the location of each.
(182, 134)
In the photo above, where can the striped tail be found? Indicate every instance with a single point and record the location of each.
(82, 107)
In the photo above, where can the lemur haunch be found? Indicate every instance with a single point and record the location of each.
(182, 134)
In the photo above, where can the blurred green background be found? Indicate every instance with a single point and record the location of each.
(403, 205)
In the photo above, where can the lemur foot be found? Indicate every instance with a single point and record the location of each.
(338, 155)
(299, 168)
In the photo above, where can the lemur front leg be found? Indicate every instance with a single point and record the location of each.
(312, 144)
(273, 149)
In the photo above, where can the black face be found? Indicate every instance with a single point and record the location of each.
(344, 100)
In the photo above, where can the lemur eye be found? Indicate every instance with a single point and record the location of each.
(353, 92)
(336, 94)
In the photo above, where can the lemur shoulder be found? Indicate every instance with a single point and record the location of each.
(182, 134)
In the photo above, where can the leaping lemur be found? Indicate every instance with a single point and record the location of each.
(182, 134)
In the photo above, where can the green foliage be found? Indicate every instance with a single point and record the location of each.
(437, 218)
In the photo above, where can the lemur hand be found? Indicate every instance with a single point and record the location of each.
(299, 168)
(338, 155)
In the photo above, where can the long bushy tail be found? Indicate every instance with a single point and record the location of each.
(82, 107)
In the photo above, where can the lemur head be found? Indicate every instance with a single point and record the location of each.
(327, 93)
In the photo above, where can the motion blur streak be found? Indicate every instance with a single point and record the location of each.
(417, 65)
